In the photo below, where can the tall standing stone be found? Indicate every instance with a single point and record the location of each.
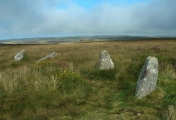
(105, 62)
(19, 56)
(148, 78)
(52, 55)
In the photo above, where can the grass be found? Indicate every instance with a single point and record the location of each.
(170, 113)
(71, 87)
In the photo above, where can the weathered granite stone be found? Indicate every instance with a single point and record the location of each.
(52, 55)
(19, 56)
(148, 78)
(105, 62)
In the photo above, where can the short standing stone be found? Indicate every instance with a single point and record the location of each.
(148, 78)
(105, 62)
(19, 56)
(52, 55)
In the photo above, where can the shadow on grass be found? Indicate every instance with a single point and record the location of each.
(130, 75)
(95, 74)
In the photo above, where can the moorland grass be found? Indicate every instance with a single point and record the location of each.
(71, 87)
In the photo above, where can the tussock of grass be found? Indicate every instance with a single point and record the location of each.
(71, 86)
(170, 113)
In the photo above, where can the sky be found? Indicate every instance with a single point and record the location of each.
(45, 18)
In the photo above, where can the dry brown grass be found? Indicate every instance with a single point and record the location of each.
(170, 113)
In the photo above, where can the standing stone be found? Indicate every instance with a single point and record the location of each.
(52, 55)
(105, 62)
(148, 78)
(19, 56)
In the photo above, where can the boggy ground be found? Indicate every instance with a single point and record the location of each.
(71, 87)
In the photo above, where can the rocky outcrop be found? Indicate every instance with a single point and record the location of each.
(105, 62)
(19, 56)
(148, 78)
(52, 55)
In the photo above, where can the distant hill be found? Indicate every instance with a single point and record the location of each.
(57, 40)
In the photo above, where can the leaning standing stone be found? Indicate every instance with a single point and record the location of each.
(19, 56)
(52, 55)
(148, 78)
(105, 62)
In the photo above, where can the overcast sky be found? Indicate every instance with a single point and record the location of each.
(36, 18)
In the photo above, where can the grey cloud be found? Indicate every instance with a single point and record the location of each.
(18, 17)
(157, 17)
(41, 17)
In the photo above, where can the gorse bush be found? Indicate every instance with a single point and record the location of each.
(69, 80)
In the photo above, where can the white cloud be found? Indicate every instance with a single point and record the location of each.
(45, 17)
